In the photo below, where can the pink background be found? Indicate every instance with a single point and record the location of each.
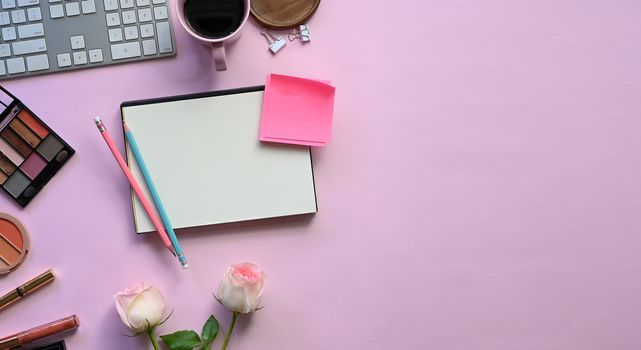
(482, 189)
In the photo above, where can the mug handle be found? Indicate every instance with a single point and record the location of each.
(219, 56)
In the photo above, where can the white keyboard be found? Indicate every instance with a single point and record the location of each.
(44, 36)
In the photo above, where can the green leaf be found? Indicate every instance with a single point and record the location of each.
(181, 340)
(210, 330)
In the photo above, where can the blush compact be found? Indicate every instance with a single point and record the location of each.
(14, 243)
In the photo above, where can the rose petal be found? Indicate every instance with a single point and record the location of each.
(247, 272)
(146, 309)
(125, 298)
(241, 287)
(234, 298)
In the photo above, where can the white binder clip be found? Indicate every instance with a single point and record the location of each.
(275, 44)
(301, 33)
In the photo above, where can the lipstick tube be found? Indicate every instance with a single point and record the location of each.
(26, 289)
(15, 341)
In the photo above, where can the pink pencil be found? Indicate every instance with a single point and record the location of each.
(134, 184)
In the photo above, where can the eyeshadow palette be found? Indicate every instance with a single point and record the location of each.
(55, 346)
(14, 243)
(30, 152)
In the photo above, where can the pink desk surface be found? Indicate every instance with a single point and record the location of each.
(482, 189)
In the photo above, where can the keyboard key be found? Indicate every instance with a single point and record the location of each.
(77, 42)
(147, 30)
(149, 47)
(115, 35)
(56, 11)
(23, 3)
(156, 2)
(8, 33)
(15, 65)
(4, 18)
(125, 50)
(113, 19)
(79, 57)
(160, 12)
(52, 1)
(110, 5)
(64, 60)
(140, 3)
(73, 8)
(88, 6)
(5, 50)
(8, 4)
(144, 15)
(18, 16)
(36, 63)
(126, 4)
(34, 14)
(31, 30)
(3, 71)
(164, 37)
(128, 17)
(29, 46)
(131, 33)
(95, 56)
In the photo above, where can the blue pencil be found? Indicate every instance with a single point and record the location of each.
(154, 194)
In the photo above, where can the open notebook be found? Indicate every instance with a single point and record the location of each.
(208, 165)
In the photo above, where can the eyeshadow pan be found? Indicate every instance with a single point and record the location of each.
(33, 123)
(18, 126)
(10, 152)
(50, 147)
(33, 165)
(3, 177)
(16, 184)
(6, 165)
(16, 141)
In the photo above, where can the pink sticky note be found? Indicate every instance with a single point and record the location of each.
(297, 111)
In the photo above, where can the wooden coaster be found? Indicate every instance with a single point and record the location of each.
(283, 14)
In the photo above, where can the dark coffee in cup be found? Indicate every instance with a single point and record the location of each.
(214, 18)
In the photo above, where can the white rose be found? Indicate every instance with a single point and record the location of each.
(140, 307)
(241, 288)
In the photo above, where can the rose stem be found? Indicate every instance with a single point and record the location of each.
(152, 337)
(231, 329)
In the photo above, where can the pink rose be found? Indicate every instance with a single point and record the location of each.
(140, 307)
(241, 288)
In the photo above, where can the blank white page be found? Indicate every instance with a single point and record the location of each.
(209, 167)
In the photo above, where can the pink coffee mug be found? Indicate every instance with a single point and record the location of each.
(218, 44)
